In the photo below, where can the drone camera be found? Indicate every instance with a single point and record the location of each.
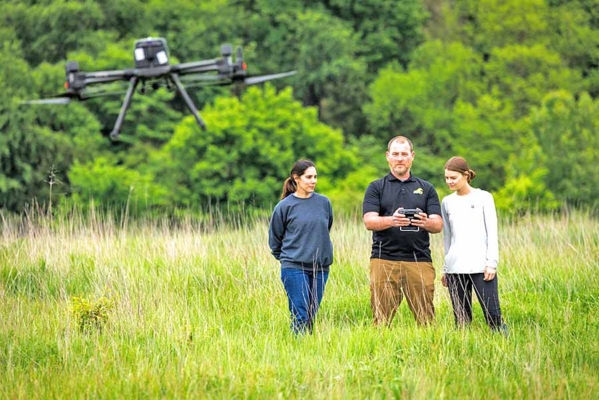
(151, 52)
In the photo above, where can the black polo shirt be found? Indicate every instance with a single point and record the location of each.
(386, 195)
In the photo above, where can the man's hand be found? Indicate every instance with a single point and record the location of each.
(431, 223)
(420, 220)
(374, 222)
(401, 220)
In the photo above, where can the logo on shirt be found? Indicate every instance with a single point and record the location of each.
(418, 191)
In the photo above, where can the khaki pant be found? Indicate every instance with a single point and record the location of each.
(390, 281)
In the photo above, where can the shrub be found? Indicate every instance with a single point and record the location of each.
(92, 314)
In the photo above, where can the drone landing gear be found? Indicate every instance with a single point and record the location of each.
(126, 103)
(188, 101)
(133, 83)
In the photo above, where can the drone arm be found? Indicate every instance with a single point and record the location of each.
(126, 103)
(188, 101)
(91, 78)
(196, 67)
(93, 81)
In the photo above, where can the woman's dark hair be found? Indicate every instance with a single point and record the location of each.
(459, 164)
(298, 169)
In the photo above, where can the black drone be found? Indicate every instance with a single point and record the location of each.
(152, 66)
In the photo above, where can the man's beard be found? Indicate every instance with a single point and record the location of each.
(400, 169)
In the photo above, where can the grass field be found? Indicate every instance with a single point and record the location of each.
(90, 308)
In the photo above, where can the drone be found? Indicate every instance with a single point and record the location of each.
(152, 67)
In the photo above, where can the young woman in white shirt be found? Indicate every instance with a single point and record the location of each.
(471, 246)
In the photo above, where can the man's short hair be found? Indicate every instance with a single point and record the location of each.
(400, 139)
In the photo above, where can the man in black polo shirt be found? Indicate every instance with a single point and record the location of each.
(400, 262)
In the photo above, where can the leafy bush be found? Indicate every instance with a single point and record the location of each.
(248, 150)
(92, 315)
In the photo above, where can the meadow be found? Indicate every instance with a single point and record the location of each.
(100, 308)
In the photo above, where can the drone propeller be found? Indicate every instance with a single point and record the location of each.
(241, 66)
(205, 80)
(252, 80)
(66, 98)
(55, 100)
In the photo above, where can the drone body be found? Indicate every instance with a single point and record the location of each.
(152, 65)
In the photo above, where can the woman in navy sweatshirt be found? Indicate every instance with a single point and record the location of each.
(299, 238)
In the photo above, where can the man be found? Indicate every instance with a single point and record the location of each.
(400, 262)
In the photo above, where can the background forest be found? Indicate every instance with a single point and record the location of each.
(511, 85)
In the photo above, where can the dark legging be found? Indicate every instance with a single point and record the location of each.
(460, 290)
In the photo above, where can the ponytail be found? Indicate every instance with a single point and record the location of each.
(298, 169)
(289, 187)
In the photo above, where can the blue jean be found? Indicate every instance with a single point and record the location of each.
(304, 289)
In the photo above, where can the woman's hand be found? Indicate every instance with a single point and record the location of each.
(443, 280)
(490, 273)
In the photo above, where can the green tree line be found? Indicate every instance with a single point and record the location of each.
(510, 85)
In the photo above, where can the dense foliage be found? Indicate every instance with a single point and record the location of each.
(511, 85)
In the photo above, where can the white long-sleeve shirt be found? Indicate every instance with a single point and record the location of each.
(469, 232)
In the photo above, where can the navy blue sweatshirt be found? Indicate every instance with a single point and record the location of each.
(298, 235)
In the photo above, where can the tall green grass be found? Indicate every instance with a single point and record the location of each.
(199, 312)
